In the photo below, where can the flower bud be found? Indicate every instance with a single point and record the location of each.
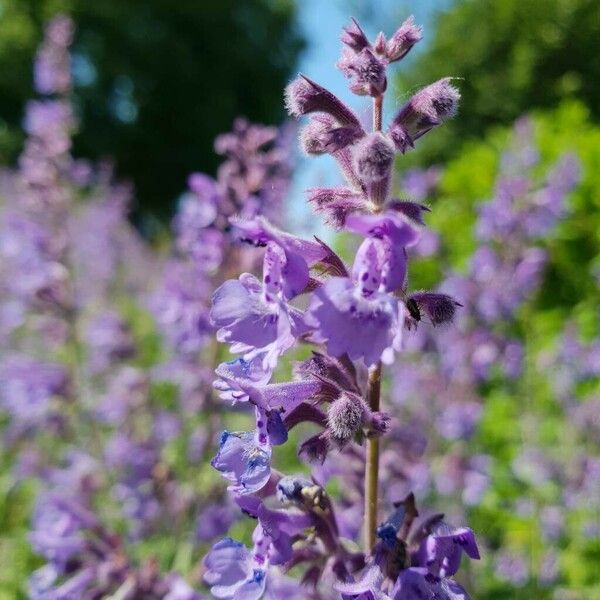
(380, 44)
(312, 135)
(323, 135)
(345, 418)
(335, 204)
(373, 157)
(365, 70)
(407, 35)
(303, 96)
(426, 109)
(354, 37)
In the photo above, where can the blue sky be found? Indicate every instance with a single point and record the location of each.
(321, 22)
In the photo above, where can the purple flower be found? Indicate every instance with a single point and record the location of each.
(52, 65)
(253, 320)
(417, 584)
(244, 461)
(287, 273)
(109, 340)
(28, 388)
(215, 521)
(351, 319)
(441, 551)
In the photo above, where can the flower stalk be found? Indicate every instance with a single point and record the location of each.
(372, 463)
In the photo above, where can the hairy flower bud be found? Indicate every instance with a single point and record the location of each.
(365, 70)
(335, 204)
(322, 135)
(354, 37)
(407, 35)
(426, 109)
(303, 96)
(380, 44)
(312, 135)
(345, 418)
(373, 157)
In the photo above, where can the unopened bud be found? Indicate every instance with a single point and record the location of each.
(345, 418)
(373, 157)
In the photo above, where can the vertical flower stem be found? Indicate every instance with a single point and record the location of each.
(373, 396)
(372, 463)
(377, 112)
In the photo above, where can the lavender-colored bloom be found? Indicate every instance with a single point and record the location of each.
(52, 66)
(57, 524)
(512, 568)
(415, 584)
(231, 572)
(368, 587)
(182, 309)
(287, 257)
(215, 521)
(109, 340)
(459, 419)
(244, 461)
(179, 589)
(441, 551)
(28, 388)
(363, 326)
(253, 321)
(419, 184)
(358, 316)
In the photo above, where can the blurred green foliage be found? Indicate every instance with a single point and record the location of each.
(155, 80)
(572, 277)
(512, 56)
(526, 413)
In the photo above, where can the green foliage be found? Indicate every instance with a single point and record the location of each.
(155, 80)
(526, 413)
(512, 56)
(571, 282)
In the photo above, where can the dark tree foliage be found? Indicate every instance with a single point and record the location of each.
(512, 56)
(156, 80)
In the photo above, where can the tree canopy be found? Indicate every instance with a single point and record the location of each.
(155, 80)
(511, 57)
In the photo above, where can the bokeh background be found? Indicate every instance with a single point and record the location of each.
(106, 354)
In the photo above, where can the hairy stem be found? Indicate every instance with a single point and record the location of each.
(372, 463)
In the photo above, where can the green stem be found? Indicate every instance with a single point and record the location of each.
(372, 463)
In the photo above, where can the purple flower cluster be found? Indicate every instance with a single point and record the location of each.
(74, 366)
(355, 319)
(84, 559)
